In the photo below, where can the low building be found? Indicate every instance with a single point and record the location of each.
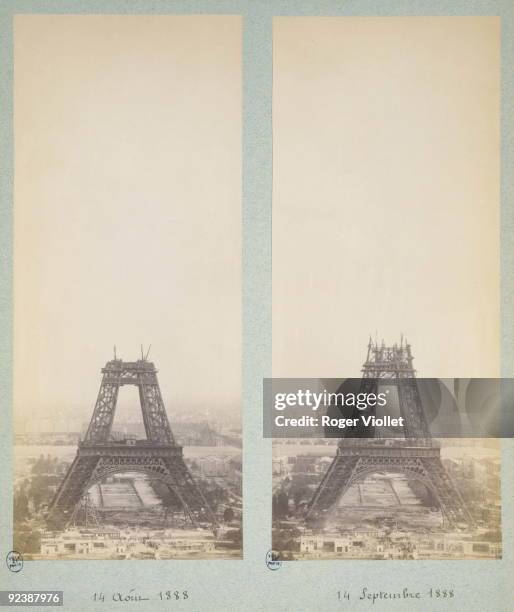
(358, 543)
(136, 544)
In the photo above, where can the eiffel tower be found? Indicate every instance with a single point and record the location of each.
(85, 513)
(101, 454)
(416, 455)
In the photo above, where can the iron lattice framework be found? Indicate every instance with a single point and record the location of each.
(85, 514)
(416, 455)
(392, 366)
(99, 455)
(143, 375)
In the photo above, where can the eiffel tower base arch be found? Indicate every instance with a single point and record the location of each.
(353, 463)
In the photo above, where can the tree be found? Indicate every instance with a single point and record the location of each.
(228, 515)
(27, 541)
(21, 506)
(280, 504)
(300, 494)
(38, 466)
(37, 499)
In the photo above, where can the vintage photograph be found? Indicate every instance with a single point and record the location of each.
(127, 287)
(386, 227)
(379, 497)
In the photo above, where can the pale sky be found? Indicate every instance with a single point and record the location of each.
(127, 207)
(386, 192)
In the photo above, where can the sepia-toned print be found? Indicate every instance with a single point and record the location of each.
(387, 223)
(388, 498)
(129, 492)
(127, 287)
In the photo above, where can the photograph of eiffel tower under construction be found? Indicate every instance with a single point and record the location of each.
(388, 498)
(128, 233)
(386, 220)
(136, 492)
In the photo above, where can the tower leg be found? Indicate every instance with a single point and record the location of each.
(452, 505)
(332, 487)
(71, 491)
(189, 493)
(346, 470)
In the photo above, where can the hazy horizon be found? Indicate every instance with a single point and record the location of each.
(127, 207)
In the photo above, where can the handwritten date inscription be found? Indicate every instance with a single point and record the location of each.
(134, 596)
